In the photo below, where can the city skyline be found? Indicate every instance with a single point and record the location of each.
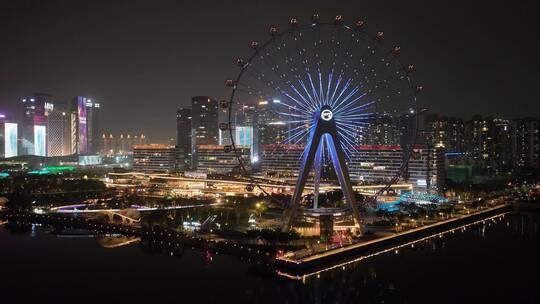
(175, 64)
(283, 152)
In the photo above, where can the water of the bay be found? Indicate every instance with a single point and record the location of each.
(493, 262)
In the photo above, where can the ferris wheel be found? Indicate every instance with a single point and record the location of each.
(324, 90)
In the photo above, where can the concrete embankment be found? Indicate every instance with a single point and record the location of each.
(339, 254)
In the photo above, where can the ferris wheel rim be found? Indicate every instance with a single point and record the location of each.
(305, 27)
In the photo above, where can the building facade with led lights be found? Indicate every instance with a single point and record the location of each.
(220, 159)
(281, 160)
(381, 164)
(155, 158)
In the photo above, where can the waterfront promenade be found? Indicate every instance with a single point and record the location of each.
(304, 261)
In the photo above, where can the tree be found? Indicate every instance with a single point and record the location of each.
(153, 218)
(19, 200)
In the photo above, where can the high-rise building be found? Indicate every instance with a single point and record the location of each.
(183, 136)
(58, 132)
(3, 119)
(384, 130)
(36, 109)
(445, 132)
(488, 143)
(8, 137)
(270, 128)
(526, 142)
(479, 141)
(204, 124)
(84, 125)
(93, 109)
(155, 158)
(79, 128)
(40, 140)
(502, 144)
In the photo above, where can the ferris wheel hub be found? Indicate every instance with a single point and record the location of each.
(327, 115)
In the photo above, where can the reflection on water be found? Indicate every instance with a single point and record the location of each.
(497, 260)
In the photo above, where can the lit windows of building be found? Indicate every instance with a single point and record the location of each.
(382, 164)
(219, 159)
(526, 142)
(155, 158)
(281, 160)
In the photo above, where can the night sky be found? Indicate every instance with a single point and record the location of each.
(143, 59)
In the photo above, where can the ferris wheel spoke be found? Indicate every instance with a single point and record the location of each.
(300, 127)
(362, 116)
(307, 102)
(304, 112)
(291, 114)
(347, 99)
(295, 132)
(349, 105)
(343, 90)
(346, 144)
(259, 76)
(321, 91)
(297, 138)
(316, 97)
(302, 105)
(338, 82)
(348, 136)
(349, 128)
(329, 84)
(352, 124)
(309, 99)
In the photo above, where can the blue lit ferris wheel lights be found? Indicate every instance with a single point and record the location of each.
(349, 107)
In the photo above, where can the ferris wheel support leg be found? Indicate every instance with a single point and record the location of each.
(305, 167)
(317, 167)
(340, 166)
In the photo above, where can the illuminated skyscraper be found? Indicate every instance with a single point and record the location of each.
(3, 119)
(479, 141)
(92, 123)
(502, 144)
(36, 109)
(58, 132)
(40, 140)
(183, 136)
(385, 130)
(446, 132)
(270, 127)
(526, 142)
(79, 128)
(204, 121)
(204, 124)
(8, 137)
